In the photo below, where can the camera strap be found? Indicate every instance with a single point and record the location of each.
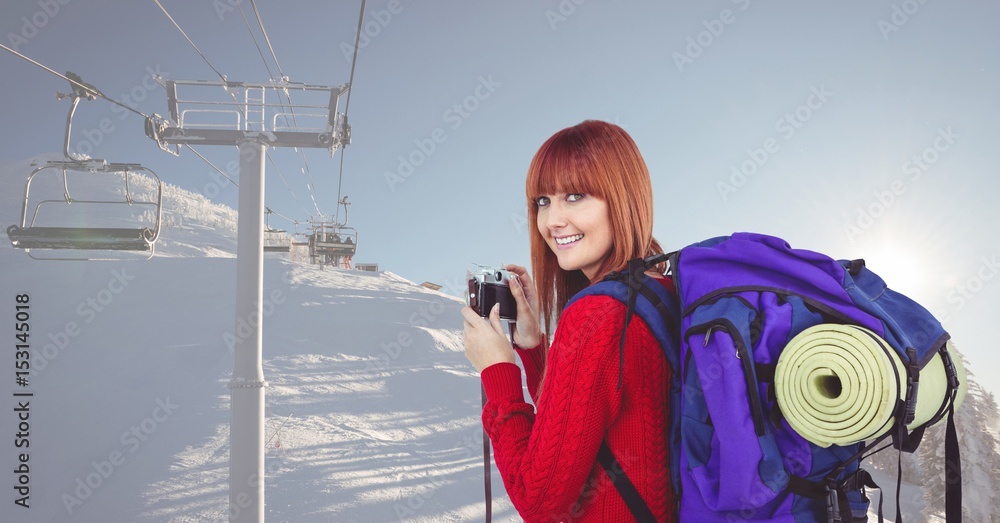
(487, 471)
(488, 474)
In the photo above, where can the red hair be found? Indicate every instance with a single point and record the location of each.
(597, 159)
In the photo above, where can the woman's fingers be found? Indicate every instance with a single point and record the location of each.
(525, 308)
(495, 320)
(527, 324)
(474, 321)
(521, 272)
(471, 318)
(485, 342)
(515, 268)
(524, 280)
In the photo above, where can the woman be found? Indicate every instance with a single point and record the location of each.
(590, 196)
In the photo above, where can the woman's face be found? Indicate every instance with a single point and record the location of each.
(577, 228)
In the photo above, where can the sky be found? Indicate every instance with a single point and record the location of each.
(859, 129)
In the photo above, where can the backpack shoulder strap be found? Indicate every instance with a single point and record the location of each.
(658, 308)
(640, 510)
(660, 312)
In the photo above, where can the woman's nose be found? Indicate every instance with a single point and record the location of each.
(555, 216)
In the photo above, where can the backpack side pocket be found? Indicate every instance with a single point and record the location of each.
(731, 455)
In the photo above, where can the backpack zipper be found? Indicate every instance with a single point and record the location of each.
(746, 361)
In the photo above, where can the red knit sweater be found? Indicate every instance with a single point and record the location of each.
(548, 459)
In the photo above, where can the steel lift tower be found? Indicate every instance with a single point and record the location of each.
(252, 117)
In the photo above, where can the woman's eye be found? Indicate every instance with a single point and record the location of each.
(542, 201)
(575, 197)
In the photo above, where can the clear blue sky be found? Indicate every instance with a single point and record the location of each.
(822, 105)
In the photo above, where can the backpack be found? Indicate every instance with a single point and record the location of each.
(741, 300)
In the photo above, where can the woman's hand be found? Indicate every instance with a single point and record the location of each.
(527, 335)
(485, 342)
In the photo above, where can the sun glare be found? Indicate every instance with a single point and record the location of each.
(902, 268)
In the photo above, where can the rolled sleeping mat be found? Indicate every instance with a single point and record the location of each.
(837, 385)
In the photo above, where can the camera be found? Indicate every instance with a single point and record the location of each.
(488, 286)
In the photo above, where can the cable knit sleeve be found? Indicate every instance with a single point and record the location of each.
(546, 458)
(531, 359)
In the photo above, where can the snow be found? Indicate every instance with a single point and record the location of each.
(372, 411)
(377, 406)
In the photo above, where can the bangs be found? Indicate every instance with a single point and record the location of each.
(562, 166)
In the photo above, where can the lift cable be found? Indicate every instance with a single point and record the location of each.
(88, 87)
(266, 39)
(270, 74)
(306, 170)
(212, 165)
(255, 43)
(278, 214)
(347, 105)
(223, 78)
(277, 170)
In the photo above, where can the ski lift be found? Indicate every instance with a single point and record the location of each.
(275, 240)
(46, 230)
(333, 242)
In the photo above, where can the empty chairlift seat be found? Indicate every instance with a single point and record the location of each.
(93, 222)
(277, 240)
(98, 210)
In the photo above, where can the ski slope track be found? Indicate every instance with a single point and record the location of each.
(372, 411)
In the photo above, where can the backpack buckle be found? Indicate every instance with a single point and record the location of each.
(912, 387)
(949, 368)
(833, 504)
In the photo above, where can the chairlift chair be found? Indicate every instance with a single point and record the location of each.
(32, 236)
(334, 240)
(277, 240)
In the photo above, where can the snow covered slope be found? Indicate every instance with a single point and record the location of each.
(372, 409)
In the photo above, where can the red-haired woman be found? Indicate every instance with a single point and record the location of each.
(590, 197)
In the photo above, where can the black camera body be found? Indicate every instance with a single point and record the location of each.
(489, 286)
